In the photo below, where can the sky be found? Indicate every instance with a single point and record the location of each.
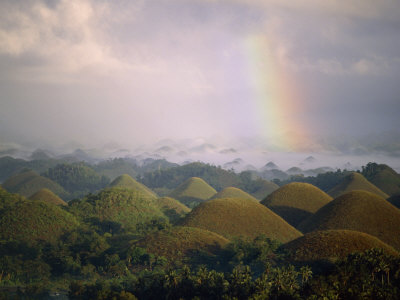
(299, 75)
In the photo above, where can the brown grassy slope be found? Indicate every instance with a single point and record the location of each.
(387, 179)
(332, 244)
(127, 182)
(360, 211)
(231, 217)
(232, 192)
(296, 201)
(172, 208)
(353, 182)
(193, 191)
(267, 188)
(180, 242)
(47, 196)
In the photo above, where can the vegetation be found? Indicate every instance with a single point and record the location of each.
(296, 201)
(47, 196)
(383, 177)
(126, 181)
(360, 211)
(193, 191)
(352, 182)
(232, 217)
(232, 192)
(172, 208)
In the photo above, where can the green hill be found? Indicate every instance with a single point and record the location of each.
(7, 199)
(231, 217)
(126, 181)
(182, 242)
(123, 207)
(232, 192)
(31, 221)
(47, 196)
(332, 244)
(29, 182)
(384, 177)
(296, 201)
(266, 188)
(353, 182)
(172, 208)
(360, 211)
(193, 191)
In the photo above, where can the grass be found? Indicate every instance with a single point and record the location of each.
(182, 242)
(332, 244)
(232, 192)
(267, 188)
(193, 191)
(296, 201)
(386, 179)
(355, 181)
(232, 217)
(360, 211)
(47, 196)
(172, 208)
(29, 182)
(126, 181)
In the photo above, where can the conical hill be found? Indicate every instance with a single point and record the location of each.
(360, 211)
(332, 244)
(384, 177)
(172, 208)
(232, 192)
(353, 182)
(193, 191)
(47, 196)
(126, 181)
(232, 217)
(296, 201)
(182, 242)
(266, 188)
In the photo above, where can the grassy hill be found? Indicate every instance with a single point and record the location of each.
(47, 196)
(384, 177)
(31, 221)
(29, 182)
(231, 217)
(172, 208)
(126, 181)
(182, 242)
(296, 201)
(232, 192)
(266, 188)
(193, 191)
(353, 182)
(118, 207)
(332, 244)
(360, 211)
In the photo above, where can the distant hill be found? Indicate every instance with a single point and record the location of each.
(47, 196)
(172, 208)
(332, 244)
(296, 201)
(32, 221)
(113, 168)
(126, 181)
(29, 182)
(384, 177)
(118, 207)
(182, 242)
(360, 211)
(193, 191)
(267, 187)
(232, 217)
(355, 181)
(232, 192)
(274, 174)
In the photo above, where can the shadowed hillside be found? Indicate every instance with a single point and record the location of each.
(231, 217)
(232, 192)
(126, 181)
(267, 187)
(296, 201)
(193, 191)
(47, 196)
(360, 211)
(172, 208)
(332, 244)
(182, 242)
(383, 177)
(355, 181)
(29, 182)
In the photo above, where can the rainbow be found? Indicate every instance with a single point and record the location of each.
(277, 96)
